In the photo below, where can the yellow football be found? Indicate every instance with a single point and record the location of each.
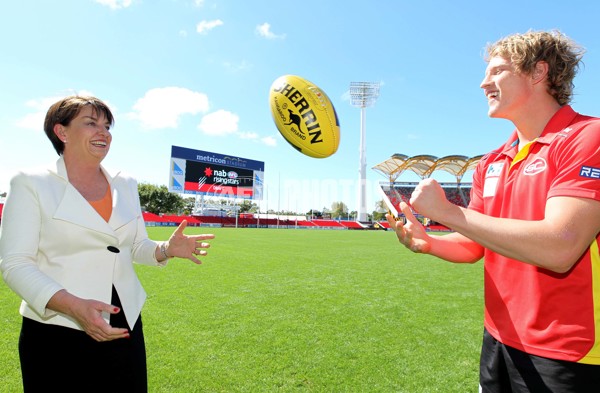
(304, 116)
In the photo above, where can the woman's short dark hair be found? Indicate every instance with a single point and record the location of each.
(65, 110)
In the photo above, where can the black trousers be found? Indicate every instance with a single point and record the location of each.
(60, 359)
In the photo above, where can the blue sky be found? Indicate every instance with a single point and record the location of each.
(196, 73)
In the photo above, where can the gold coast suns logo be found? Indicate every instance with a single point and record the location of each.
(538, 165)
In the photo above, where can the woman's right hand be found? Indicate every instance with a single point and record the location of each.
(88, 313)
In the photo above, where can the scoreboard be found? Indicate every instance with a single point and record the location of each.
(213, 174)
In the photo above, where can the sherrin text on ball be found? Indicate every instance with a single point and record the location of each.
(305, 116)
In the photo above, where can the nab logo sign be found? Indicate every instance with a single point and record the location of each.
(590, 172)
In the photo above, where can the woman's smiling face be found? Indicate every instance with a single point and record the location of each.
(87, 136)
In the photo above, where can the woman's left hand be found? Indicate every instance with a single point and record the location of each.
(187, 246)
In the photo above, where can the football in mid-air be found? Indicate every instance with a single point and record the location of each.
(304, 116)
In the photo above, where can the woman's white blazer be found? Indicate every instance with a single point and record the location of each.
(53, 239)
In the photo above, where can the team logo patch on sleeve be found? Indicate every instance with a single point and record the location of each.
(590, 172)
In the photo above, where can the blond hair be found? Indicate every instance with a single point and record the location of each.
(562, 55)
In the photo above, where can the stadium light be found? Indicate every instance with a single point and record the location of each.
(363, 95)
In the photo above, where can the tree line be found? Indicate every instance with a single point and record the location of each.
(159, 200)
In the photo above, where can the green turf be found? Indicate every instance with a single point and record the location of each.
(283, 310)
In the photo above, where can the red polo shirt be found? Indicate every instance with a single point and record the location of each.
(526, 307)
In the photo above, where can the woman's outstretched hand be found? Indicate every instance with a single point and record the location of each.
(187, 246)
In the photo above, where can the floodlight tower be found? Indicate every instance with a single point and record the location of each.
(363, 95)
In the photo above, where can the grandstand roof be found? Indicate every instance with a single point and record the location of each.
(424, 165)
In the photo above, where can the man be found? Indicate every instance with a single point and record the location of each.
(534, 217)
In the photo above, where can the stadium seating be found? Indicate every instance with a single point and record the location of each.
(192, 221)
(383, 224)
(459, 195)
(306, 223)
(455, 196)
(248, 220)
(352, 224)
(327, 223)
(152, 219)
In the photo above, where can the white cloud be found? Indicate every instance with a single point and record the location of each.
(219, 123)
(205, 26)
(264, 30)
(243, 65)
(269, 141)
(163, 107)
(248, 135)
(198, 3)
(35, 120)
(32, 121)
(115, 4)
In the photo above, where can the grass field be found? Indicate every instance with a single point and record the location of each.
(283, 310)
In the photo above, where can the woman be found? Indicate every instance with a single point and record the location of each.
(69, 237)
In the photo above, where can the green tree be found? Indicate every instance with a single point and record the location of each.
(339, 209)
(314, 213)
(157, 199)
(380, 210)
(248, 206)
(189, 204)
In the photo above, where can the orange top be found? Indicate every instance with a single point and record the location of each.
(104, 205)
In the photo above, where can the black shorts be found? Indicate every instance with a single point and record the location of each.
(505, 369)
